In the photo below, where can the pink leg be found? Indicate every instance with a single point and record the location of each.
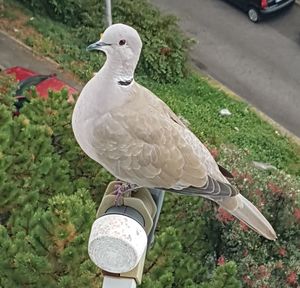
(122, 188)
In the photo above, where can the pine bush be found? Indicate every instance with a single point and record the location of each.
(45, 216)
(49, 194)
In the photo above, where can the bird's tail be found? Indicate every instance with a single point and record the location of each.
(249, 214)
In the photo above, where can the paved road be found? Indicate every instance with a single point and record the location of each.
(14, 54)
(260, 62)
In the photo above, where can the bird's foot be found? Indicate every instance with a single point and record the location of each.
(123, 189)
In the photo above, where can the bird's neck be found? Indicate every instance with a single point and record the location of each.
(119, 71)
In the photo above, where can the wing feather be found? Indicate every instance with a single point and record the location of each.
(145, 143)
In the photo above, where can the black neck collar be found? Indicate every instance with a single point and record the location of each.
(126, 82)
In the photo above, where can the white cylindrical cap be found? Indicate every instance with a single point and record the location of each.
(116, 243)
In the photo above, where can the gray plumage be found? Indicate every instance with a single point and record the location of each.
(140, 140)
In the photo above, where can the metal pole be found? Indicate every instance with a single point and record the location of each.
(108, 12)
(158, 197)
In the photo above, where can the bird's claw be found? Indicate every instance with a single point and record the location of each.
(122, 189)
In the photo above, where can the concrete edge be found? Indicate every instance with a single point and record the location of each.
(30, 49)
(215, 83)
(63, 74)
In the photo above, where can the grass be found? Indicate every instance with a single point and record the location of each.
(200, 104)
(193, 97)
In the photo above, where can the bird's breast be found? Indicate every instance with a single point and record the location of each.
(91, 119)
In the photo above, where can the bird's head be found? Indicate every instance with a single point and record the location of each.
(119, 42)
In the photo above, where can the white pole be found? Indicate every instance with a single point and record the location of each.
(108, 12)
(113, 282)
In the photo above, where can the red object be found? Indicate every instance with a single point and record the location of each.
(297, 214)
(214, 152)
(243, 226)
(282, 251)
(274, 188)
(247, 280)
(264, 4)
(224, 216)
(52, 83)
(245, 253)
(292, 278)
(221, 260)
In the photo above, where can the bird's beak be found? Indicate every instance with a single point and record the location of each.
(97, 46)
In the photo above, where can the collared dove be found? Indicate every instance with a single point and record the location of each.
(140, 140)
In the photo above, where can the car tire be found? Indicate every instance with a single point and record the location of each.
(253, 14)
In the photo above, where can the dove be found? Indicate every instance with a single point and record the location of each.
(135, 136)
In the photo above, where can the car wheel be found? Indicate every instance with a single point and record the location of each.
(253, 14)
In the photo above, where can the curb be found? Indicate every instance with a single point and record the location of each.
(29, 49)
(66, 76)
(215, 83)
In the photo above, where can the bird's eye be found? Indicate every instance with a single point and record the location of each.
(122, 42)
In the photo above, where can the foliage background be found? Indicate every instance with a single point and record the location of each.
(163, 60)
(50, 189)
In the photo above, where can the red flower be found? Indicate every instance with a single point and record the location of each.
(235, 173)
(274, 188)
(261, 204)
(297, 214)
(262, 272)
(282, 251)
(292, 278)
(221, 260)
(243, 226)
(258, 192)
(224, 216)
(248, 178)
(214, 152)
(247, 280)
(165, 51)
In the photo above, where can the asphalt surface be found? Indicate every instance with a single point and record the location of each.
(13, 53)
(259, 62)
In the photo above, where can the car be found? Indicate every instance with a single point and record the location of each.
(258, 8)
(42, 83)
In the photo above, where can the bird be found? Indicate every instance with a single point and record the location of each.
(134, 135)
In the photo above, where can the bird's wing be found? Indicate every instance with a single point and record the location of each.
(145, 143)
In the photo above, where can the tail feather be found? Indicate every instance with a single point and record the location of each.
(245, 211)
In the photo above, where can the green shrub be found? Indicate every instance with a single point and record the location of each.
(71, 12)
(277, 195)
(164, 54)
(42, 240)
(210, 237)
